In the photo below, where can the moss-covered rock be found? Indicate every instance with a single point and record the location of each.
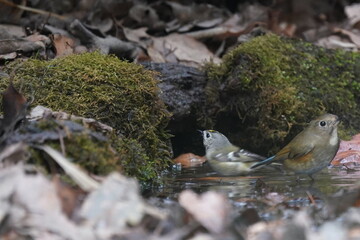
(88, 148)
(121, 94)
(267, 89)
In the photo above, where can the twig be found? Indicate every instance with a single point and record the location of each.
(34, 10)
(310, 196)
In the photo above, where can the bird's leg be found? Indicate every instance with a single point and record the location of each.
(312, 179)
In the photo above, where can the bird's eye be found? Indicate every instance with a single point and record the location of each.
(322, 123)
(207, 135)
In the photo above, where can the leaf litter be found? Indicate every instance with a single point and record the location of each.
(33, 206)
(36, 206)
(210, 29)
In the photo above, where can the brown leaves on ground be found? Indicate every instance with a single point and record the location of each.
(31, 206)
(349, 152)
(345, 36)
(167, 31)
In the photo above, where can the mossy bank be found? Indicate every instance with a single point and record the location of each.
(121, 94)
(267, 89)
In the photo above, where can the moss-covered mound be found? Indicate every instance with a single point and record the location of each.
(90, 149)
(267, 89)
(120, 94)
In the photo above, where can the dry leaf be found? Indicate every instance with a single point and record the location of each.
(8, 31)
(355, 38)
(189, 160)
(113, 205)
(349, 152)
(335, 42)
(182, 49)
(76, 173)
(9, 56)
(33, 206)
(138, 36)
(64, 45)
(211, 209)
(40, 112)
(13, 154)
(353, 13)
(14, 107)
(68, 196)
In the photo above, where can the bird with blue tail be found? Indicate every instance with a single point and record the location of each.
(311, 150)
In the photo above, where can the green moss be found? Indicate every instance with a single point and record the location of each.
(267, 89)
(95, 156)
(120, 94)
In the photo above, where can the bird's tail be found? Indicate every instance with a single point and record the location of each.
(266, 161)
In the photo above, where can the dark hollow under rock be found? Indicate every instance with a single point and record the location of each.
(182, 90)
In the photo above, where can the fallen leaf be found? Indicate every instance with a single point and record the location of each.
(190, 160)
(29, 44)
(39, 39)
(211, 209)
(146, 16)
(349, 152)
(335, 42)
(32, 205)
(14, 104)
(14, 107)
(182, 49)
(41, 112)
(202, 236)
(101, 21)
(8, 31)
(353, 13)
(69, 197)
(355, 38)
(113, 205)
(138, 36)
(64, 45)
(9, 56)
(76, 173)
(13, 154)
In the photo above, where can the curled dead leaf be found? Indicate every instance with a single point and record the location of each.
(64, 45)
(349, 152)
(189, 160)
(211, 209)
(14, 107)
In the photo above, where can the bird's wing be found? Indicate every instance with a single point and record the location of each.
(295, 149)
(298, 151)
(241, 155)
(246, 156)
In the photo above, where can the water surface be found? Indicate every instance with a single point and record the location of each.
(262, 188)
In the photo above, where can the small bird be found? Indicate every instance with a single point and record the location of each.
(312, 149)
(226, 158)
